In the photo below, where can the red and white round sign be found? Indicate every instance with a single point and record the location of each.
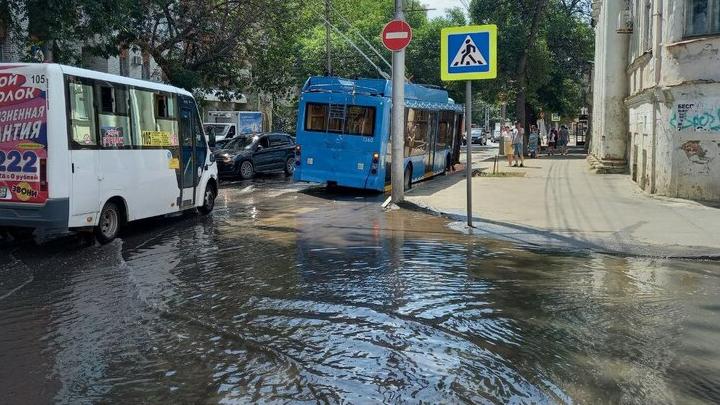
(396, 35)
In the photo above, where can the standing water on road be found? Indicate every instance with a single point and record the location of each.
(301, 296)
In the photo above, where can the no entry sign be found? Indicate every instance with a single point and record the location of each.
(396, 35)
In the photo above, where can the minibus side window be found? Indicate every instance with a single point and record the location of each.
(113, 115)
(82, 115)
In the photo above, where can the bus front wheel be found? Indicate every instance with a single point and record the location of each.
(109, 224)
(208, 200)
(408, 178)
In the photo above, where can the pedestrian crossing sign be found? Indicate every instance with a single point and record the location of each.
(468, 53)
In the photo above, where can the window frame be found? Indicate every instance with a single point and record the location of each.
(712, 25)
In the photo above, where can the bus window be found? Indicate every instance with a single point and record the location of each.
(164, 106)
(416, 131)
(445, 129)
(316, 117)
(336, 118)
(150, 130)
(82, 118)
(113, 116)
(360, 120)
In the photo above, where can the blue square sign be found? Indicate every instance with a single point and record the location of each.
(469, 53)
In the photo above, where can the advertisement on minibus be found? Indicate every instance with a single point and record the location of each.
(23, 135)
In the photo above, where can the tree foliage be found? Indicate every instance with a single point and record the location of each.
(272, 46)
(545, 50)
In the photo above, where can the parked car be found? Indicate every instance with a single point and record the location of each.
(243, 156)
(477, 135)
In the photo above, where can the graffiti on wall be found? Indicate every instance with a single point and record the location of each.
(696, 117)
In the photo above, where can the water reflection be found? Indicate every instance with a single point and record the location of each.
(287, 297)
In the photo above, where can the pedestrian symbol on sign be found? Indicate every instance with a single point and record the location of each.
(468, 54)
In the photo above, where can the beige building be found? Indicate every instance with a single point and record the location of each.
(657, 95)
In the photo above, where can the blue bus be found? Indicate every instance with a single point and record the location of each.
(343, 132)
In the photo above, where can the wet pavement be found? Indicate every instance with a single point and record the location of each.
(296, 294)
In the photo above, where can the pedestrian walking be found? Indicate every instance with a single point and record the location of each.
(563, 139)
(507, 144)
(552, 140)
(518, 138)
(533, 142)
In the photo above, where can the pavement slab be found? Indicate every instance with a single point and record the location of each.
(558, 202)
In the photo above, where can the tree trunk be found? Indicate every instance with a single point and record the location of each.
(520, 100)
(48, 54)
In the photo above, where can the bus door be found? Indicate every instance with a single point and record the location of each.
(188, 151)
(432, 139)
(83, 144)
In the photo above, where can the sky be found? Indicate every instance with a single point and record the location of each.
(440, 6)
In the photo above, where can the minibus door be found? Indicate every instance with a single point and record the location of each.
(187, 152)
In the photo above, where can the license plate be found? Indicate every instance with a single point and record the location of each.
(3, 192)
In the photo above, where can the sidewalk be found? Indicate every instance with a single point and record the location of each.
(559, 203)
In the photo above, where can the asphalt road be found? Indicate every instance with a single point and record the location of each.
(291, 293)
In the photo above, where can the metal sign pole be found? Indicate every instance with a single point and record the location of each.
(398, 118)
(468, 136)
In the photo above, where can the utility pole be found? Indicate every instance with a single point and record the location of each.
(397, 178)
(468, 160)
(328, 69)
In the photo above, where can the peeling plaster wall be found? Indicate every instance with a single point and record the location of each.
(673, 108)
(694, 119)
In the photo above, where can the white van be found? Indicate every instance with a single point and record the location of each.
(85, 150)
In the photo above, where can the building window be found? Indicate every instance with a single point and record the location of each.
(647, 29)
(702, 17)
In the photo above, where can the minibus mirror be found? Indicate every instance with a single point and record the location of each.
(211, 139)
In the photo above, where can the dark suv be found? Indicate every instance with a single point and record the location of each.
(245, 155)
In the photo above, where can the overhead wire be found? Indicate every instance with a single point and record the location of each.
(354, 45)
(357, 31)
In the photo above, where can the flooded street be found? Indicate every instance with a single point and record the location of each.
(294, 294)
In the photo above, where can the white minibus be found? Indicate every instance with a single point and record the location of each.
(89, 151)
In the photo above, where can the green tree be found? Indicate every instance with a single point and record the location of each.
(544, 52)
